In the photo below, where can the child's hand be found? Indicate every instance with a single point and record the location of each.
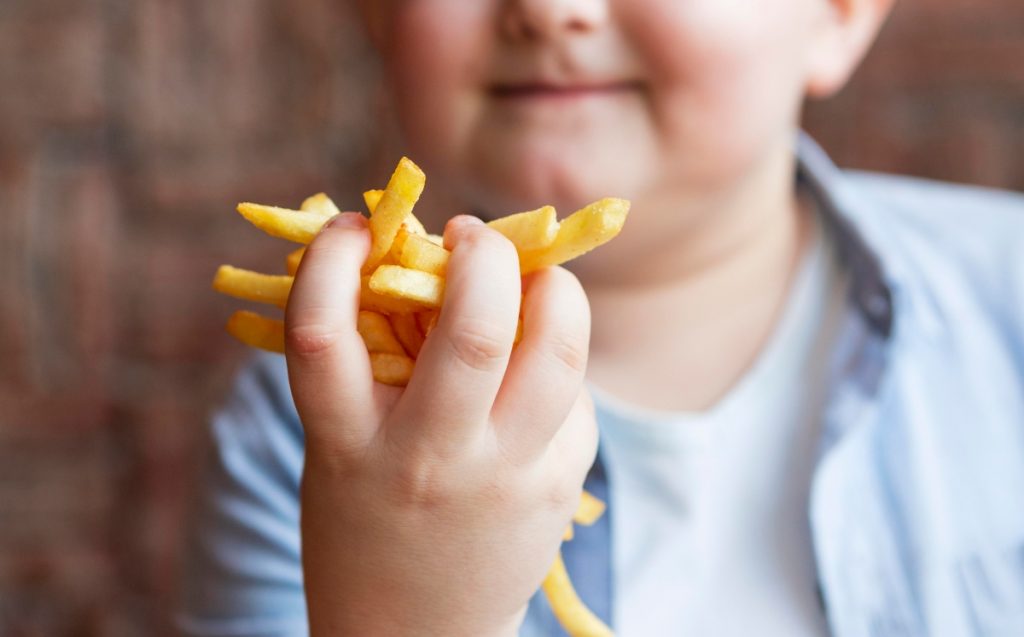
(437, 509)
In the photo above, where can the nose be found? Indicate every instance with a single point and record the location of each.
(551, 19)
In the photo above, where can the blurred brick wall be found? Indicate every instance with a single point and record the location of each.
(128, 129)
(940, 96)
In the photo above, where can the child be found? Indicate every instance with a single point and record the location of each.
(808, 384)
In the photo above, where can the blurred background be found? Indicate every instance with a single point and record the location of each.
(129, 129)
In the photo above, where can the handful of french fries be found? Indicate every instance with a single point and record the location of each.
(402, 293)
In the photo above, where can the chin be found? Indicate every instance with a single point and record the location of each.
(565, 178)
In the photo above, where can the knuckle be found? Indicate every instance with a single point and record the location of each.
(563, 493)
(309, 339)
(569, 350)
(478, 346)
(419, 484)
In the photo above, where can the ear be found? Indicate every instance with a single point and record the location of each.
(846, 30)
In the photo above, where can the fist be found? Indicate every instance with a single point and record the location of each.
(437, 509)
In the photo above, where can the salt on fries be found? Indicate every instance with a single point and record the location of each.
(403, 282)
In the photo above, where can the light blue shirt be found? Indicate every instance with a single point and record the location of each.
(917, 498)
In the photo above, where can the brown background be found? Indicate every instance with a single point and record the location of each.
(128, 129)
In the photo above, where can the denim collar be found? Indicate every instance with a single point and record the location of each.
(870, 293)
(588, 556)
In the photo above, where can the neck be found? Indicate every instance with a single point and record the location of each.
(678, 318)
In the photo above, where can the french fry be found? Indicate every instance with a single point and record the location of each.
(253, 286)
(293, 260)
(408, 333)
(411, 223)
(426, 321)
(395, 205)
(391, 369)
(371, 198)
(436, 238)
(373, 301)
(321, 204)
(257, 331)
(377, 334)
(419, 253)
(533, 230)
(589, 510)
(421, 288)
(395, 253)
(274, 289)
(568, 534)
(299, 226)
(569, 609)
(578, 234)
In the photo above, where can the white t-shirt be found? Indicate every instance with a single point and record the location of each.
(710, 531)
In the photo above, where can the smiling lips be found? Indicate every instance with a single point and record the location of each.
(552, 91)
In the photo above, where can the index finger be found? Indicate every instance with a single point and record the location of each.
(461, 365)
(328, 366)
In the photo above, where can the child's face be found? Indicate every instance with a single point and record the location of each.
(517, 103)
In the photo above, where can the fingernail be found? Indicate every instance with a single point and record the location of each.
(467, 220)
(352, 220)
(461, 221)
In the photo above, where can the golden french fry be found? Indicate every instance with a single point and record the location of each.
(372, 198)
(377, 333)
(426, 290)
(419, 253)
(411, 226)
(589, 510)
(395, 206)
(253, 286)
(375, 302)
(391, 369)
(299, 226)
(436, 238)
(568, 534)
(578, 234)
(395, 253)
(321, 204)
(411, 223)
(426, 321)
(531, 230)
(257, 331)
(293, 259)
(569, 609)
(408, 333)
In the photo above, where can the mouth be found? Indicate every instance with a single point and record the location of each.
(547, 91)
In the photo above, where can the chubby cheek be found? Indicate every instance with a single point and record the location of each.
(726, 80)
(433, 54)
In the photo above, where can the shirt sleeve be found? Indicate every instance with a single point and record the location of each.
(242, 573)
